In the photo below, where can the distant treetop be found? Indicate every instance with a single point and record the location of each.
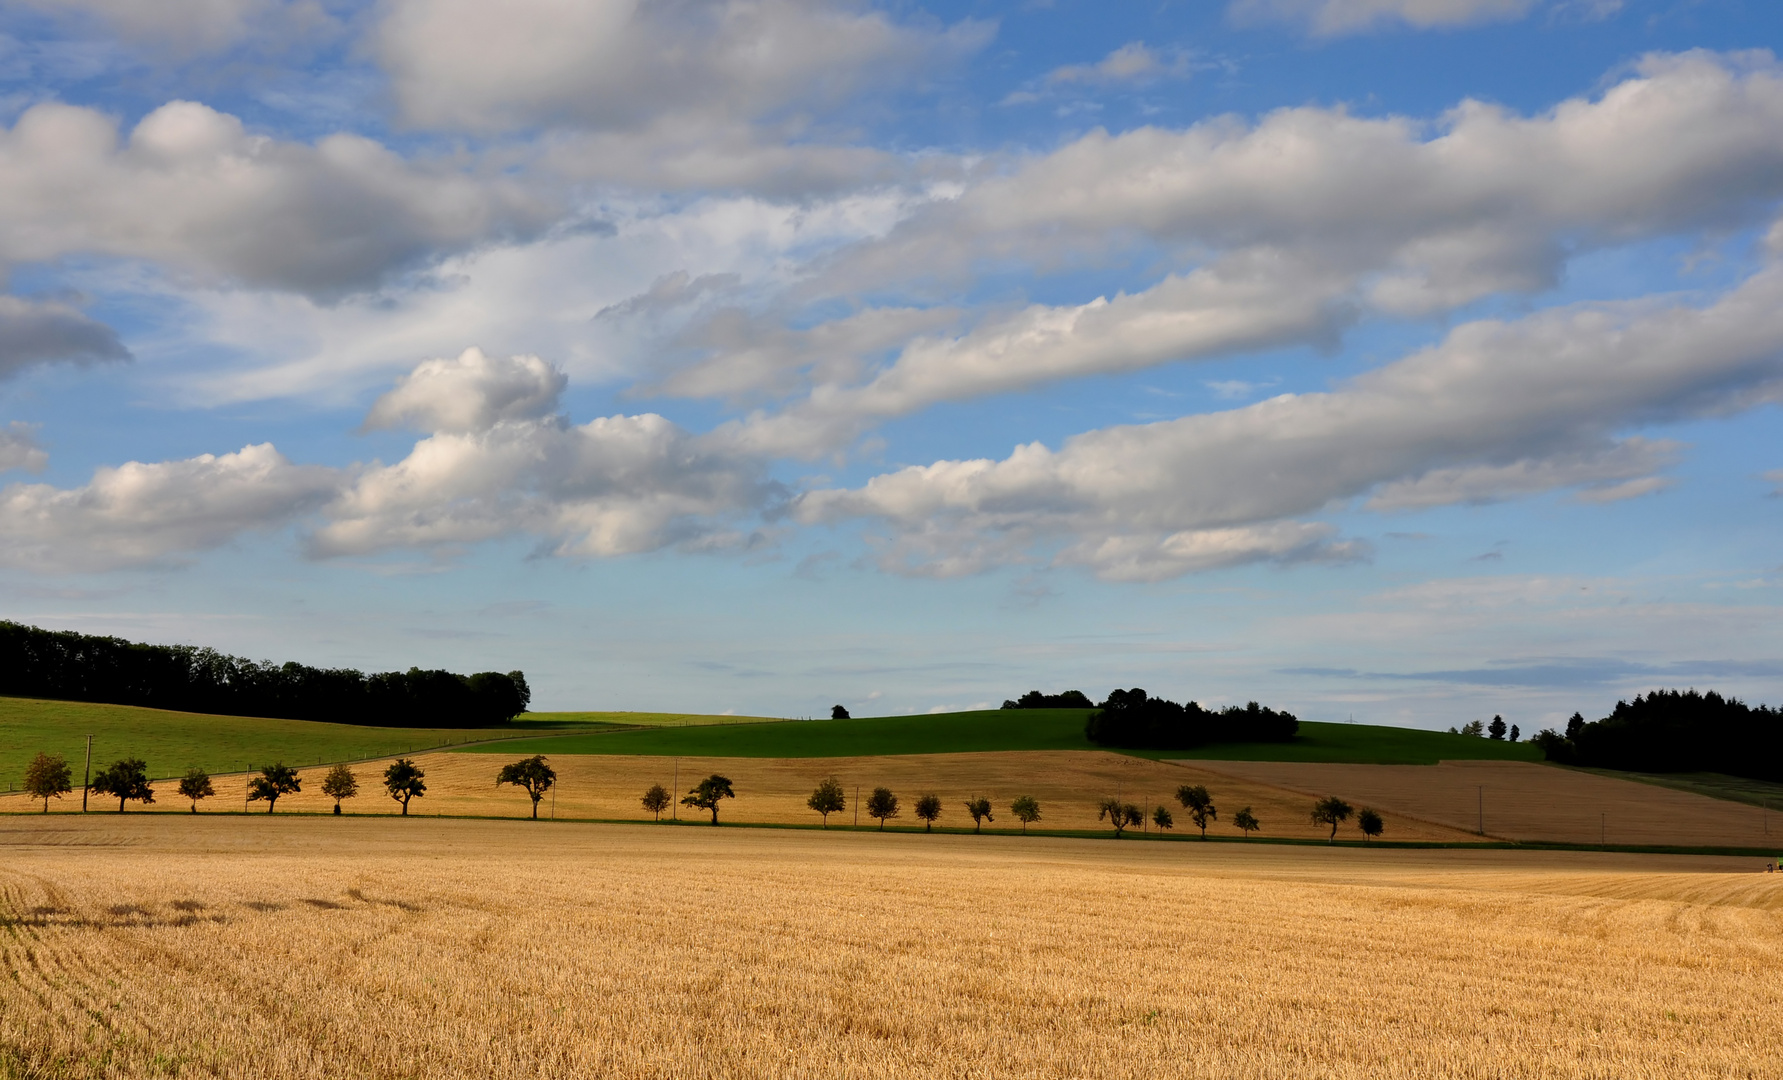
(1132, 718)
(1034, 699)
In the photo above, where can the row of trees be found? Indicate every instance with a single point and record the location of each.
(830, 797)
(883, 804)
(1134, 719)
(1675, 731)
(1199, 805)
(80, 667)
(127, 780)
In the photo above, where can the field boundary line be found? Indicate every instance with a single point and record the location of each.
(911, 830)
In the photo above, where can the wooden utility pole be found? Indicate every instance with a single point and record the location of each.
(1482, 790)
(87, 778)
(675, 803)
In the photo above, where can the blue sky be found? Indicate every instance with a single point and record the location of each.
(1409, 360)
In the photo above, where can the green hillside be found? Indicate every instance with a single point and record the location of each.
(1005, 729)
(172, 742)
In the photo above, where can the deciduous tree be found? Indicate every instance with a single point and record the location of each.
(340, 783)
(1199, 804)
(1119, 814)
(707, 794)
(980, 809)
(837, 712)
(928, 808)
(1026, 809)
(1331, 811)
(1370, 823)
(1163, 818)
(273, 781)
(196, 785)
(1247, 821)
(48, 777)
(657, 799)
(403, 780)
(531, 774)
(829, 798)
(883, 805)
(127, 779)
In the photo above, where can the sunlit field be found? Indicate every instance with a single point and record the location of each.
(1069, 785)
(1437, 803)
(309, 947)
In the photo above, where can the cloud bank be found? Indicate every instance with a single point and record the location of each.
(1498, 409)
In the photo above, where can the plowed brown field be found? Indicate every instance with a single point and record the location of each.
(1520, 801)
(306, 947)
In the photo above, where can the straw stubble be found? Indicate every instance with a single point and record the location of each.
(378, 948)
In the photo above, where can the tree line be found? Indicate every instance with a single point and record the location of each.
(883, 804)
(1675, 731)
(1135, 720)
(49, 777)
(70, 666)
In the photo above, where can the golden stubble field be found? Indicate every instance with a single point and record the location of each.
(306, 947)
(1069, 784)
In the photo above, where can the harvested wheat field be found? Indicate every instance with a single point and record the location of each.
(1523, 801)
(310, 947)
(1069, 784)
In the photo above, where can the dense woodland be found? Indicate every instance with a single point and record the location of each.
(1675, 731)
(1034, 699)
(80, 667)
(1135, 720)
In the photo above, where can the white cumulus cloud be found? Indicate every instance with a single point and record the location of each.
(1288, 228)
(624, 65)
(1496, 409)
(191, 189)
(139, 514)
(614, 486)
(471, 392)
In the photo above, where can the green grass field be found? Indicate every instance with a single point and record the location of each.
(643, 719)
(1011, 729)
(172, 742)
